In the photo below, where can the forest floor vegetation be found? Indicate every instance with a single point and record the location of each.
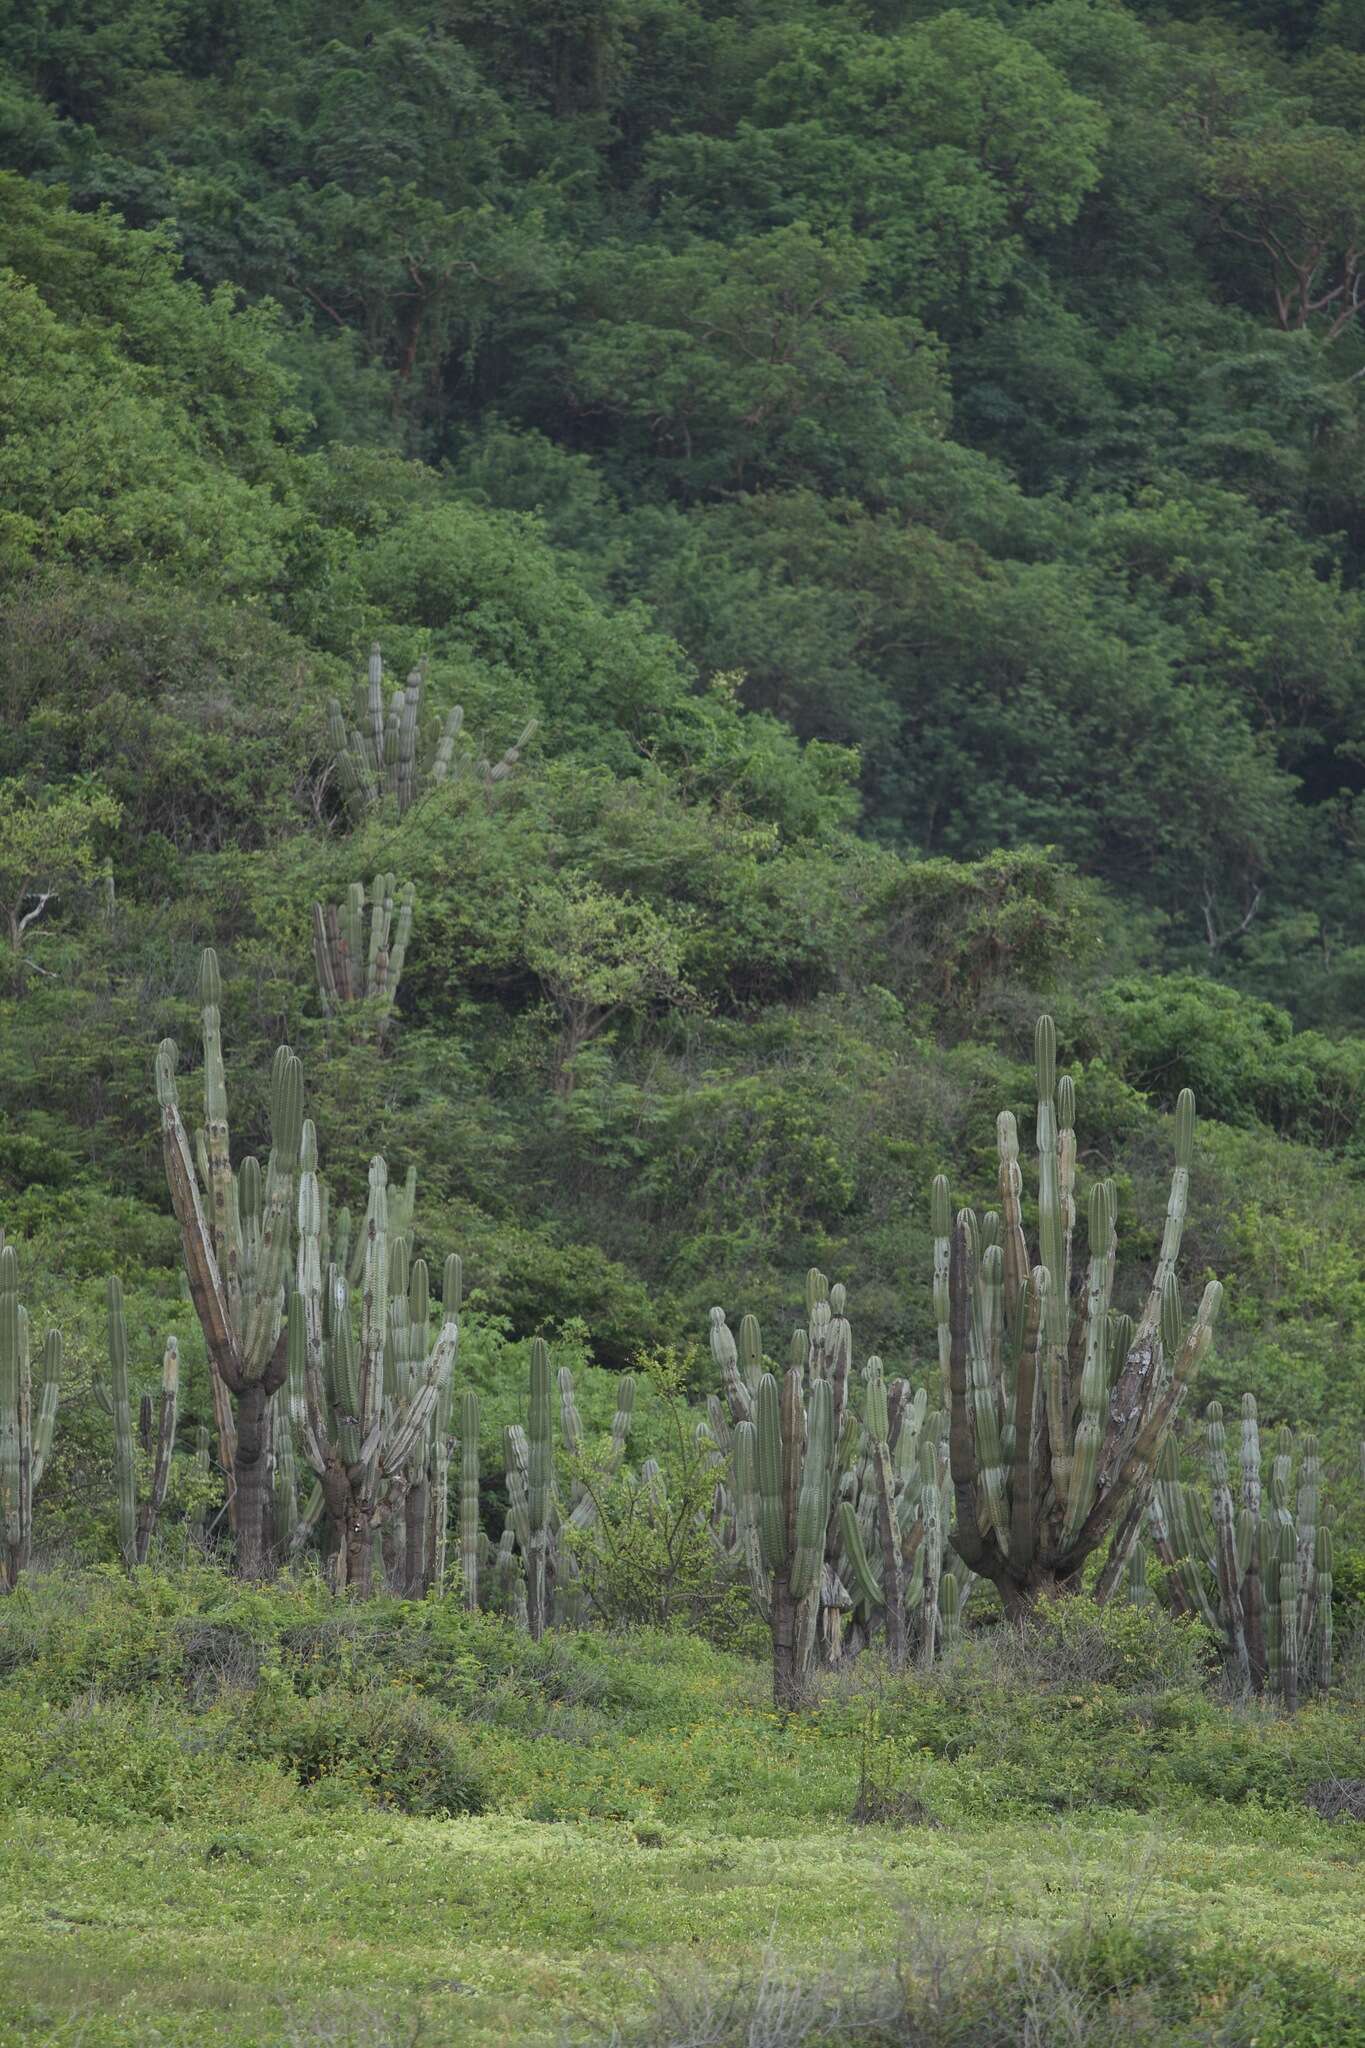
(248, 1817)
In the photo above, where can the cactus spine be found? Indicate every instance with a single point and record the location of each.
(136, 1526)
(25, 1434)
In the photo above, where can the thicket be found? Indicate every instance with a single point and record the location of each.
(903, 543)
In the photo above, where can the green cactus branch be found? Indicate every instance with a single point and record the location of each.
(137, 1524)
(27, 1421)
(386, 752)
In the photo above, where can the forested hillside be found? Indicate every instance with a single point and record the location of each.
(907, 464)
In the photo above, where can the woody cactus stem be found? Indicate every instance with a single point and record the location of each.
(786, 1449)
(25, 1435)
(539, 1483)
(1082, 1408)
(235, 1230)
(1260, 1581)
(136, 1526)
(469, 1497)
(353, 965)
(359, 1443)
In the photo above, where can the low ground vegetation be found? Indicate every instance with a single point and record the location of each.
(247, 1817)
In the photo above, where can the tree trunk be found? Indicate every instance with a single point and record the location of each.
(392, 1541)
(417, 1516)
(359, 1552)
(787, 1686)
(251, 1477)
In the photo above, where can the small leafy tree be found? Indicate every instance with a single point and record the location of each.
(47, 845)
(600, 956)
(649, 1557)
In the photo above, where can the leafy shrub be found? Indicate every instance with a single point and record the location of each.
(384, 1741)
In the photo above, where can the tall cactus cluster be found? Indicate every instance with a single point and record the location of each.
(537, 1513)
(272, 1290)
(359, 946)
(235, 1230)
(839, 1518)
(136, 1523)
(1253, 1559)
(27, 1420)
(1059, 1403)
(386, 751)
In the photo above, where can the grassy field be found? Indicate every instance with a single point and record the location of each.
(195, 1850)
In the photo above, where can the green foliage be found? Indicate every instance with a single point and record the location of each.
(383, 1743)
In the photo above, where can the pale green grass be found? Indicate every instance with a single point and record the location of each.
(495, 1929)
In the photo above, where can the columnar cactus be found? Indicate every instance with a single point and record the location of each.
(788, 1444)
(894, 1516)
(235, 1229)
(136, 1526)
(356, 966)
(1261, 1581)
(537, 1515)
(1057, 1421)
(25, 1431)
(469, 1497)
(383, 753)
(359, 1435)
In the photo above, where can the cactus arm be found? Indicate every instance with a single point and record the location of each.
(941, 1220)
(869, 1586)
(983, 1398)
(1130, 1481)
(207, 1290)
(1094, 1386)
(726, 1358)
(1229, 1574)
(1174, 1229)
(12, 1404)
(469, 1496)
(813, 1491)
(1288, 1619)
(968, 1539)
(1013, 1244)
(539, 1485)
(49, 1395)
(768, 1469)
(1023, 1540)
(125, 1471)
(324, 959)
(877, 1423)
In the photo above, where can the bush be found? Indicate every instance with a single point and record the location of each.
(382, 1741)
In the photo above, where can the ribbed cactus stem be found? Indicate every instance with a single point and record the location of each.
(26, 1426)
(1177, 1202)
(1053, 1245)
(125, 1467)
(539, 1482)
(941, 1224)
(469, 1497)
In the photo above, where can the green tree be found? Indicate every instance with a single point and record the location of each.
(49, 844)
(599, 957)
